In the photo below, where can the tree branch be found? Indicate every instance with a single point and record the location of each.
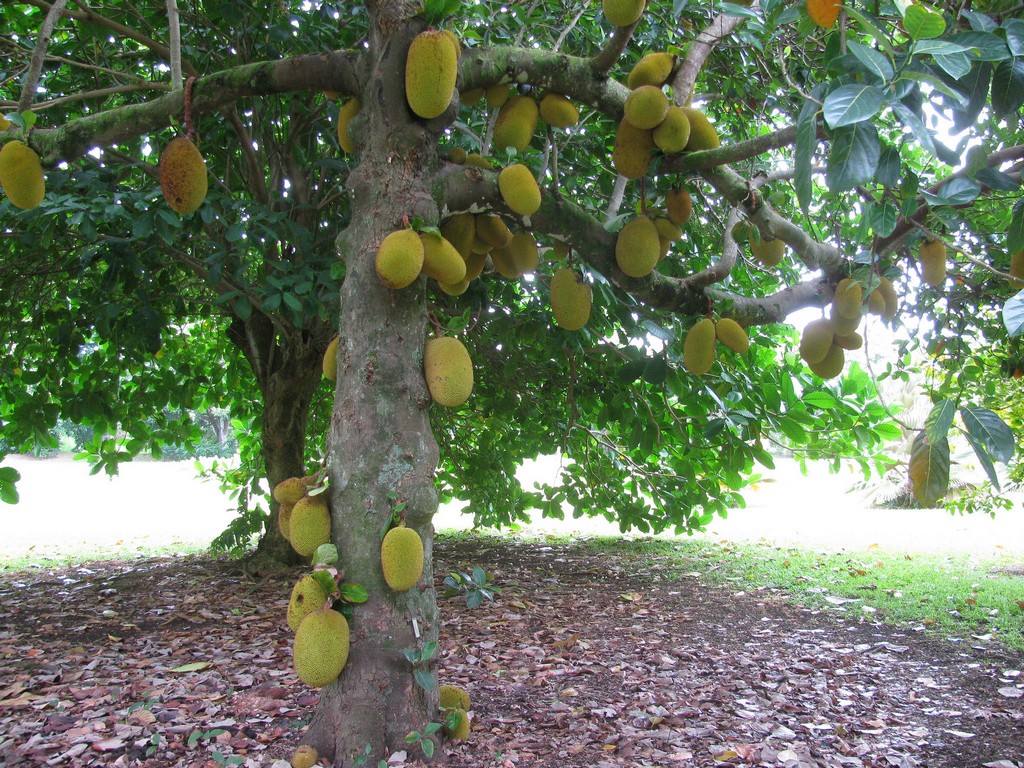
(35, 69)
(174, 35)
(605, 59)
(725, 264)
(686, 76)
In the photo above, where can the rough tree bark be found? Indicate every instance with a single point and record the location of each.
(382, 449)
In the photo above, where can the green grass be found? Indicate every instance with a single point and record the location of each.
(51, 559)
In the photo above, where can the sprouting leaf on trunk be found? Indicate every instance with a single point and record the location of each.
(929, 469)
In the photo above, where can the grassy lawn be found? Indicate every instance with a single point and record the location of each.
(52, 559)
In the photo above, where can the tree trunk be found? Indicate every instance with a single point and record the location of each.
(382, 448)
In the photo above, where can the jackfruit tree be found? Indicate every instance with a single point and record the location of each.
(678, 180)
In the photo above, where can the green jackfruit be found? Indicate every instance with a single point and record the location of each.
(401, 558)
(646, 107)
(452, 697)
(307, 597)
(21, 175)
(504, 262)
(843, 326)
(497, 95)
(182, 176)
(400, 259)
(667, 230)
(460, 230)
(673, 133)
(1017, 268)
(732, 335)
(875, 302)
(631, 154)
(768, 252)
(519, 189)
(493, 230)
(310, 524)
(702, 133)
(571, 299)
(653, 69)
(321, 647)
(516, 124)
(699, 347)
(892, 300)
(330, 361)
(637, 248)
(455, 289)
(622, 13)
(525, 254)
(848, 342)
(431, 68)
(448, 370)
(679, 205)
(848, 297)
(816, 340)
(475, 160)
(440, 259)
(557, 111)
(284, 520)
(475, 264)
(457, 155)
(932, 256)
(347, 111)
(831, 365)
(305, 756)
(289, 490)
(470, 97)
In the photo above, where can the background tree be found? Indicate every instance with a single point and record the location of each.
(825, 146)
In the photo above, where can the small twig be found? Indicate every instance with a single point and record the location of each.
(174, 31)
(35, 69)
(572, 25)
(618, 194)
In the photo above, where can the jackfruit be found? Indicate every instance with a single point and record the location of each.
(475, 160)
(21, 175)
(440, 259)
(493, 230)
(699, 347)
(455, 289)
(631, 154)
(321, 647)
(831, 365)
(824, 13)
(892, 300)
(448, 370)
(289, 491)
(768, 252)
(4, 123)
(849, 341)
(848, 298)
(470, 97)
(347, 111)
(305, 756)
(310, 524)
(307, 597)
(559, 250)
(516, 124)
(460, 230)
(679, 205)
(519, 189)
(702, 133)
(461, 731)
(933, 262)
(816, 340)
(452, 697)
(622, 13)
(557, 111)
(504, 262)
(457, 155)
(875, 302)
(525, 254)
(732, 335)
(652, 69)
(400, 258)
(842, 326)
(284, 520)
(330, 362)
(482, 247)
(571, 299)
(637, 249)
(497, 95)
(667, 230)
(646, 107)
(475, 264)
(401, 558)
(455, 41)
(673, 133)
(182, 176)
(431, 68)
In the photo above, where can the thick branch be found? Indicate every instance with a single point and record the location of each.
(725, 264)
(686, 75)
(605, 59)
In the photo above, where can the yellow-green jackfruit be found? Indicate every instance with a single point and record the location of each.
(461, 731)
(557, 111)
(400, 259)
(305, 756)
(182, 176)
(843, 326)
(816, 340)
(768, 252)
(849, 341)
(347, 111)
(284, 520)
(631, 154)
(21, 175)
(448, 370)
(310, 524)
(732, 335)
(457, 155)
(519, 189)
(847, 298)
(831, 365)
(1017, 267)
(892, 300)
(330, 361)
(505, 262)
(637, 248)
(321, 647)
(571, 299)
(622, 13)
(497, 95)
(401, 558)
(702, 133)
(652, 69)
(516, 124)
(672, 134)
(452, 697)
(646, 107)
(679, 205)
(460, 230)
(525, 254)
(431, 68)
(440, 259)
(470, 97)
(699, 347)
(493, 230)
(307, 596)
(932, 256)
(289, 490)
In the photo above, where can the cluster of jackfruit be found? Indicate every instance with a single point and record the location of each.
(477, 237)
(454, 699)
(182, 173)
(448, 370)
(401, 558)
(304, 520)
(825, 341)
(699, 345)
(932, 258)
(21, 174)
(646, 239)
(405, 254)
(650, 121)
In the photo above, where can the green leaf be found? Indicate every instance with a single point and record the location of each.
(939, 420)
(1013, 315)
(915, 124)
(889, 165)
(983, 46)
(851, 104)
(1015, 36)
(986, 427)
(997, 180)
(325, 580)
(956, 65)
(871, 26)
(929, 469)
(428, 748)
(854, 157)
(1015, 234)
(326, 554)
(425, 679)
(985, 459)
(876, 62)
(1008, 87)
(976, 87)
(921, 24)
(938, 48)
(354, 593)
(821, 399)
(806, 141)
(957, 191)
(882, 218)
